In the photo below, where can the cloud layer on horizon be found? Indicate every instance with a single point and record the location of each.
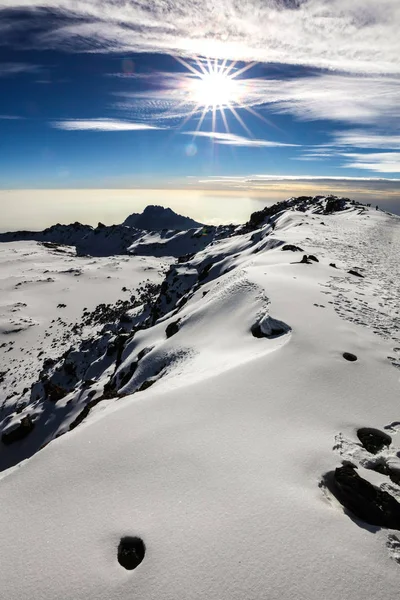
(289, 185)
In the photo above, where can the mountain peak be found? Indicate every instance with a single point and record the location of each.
(155, 218)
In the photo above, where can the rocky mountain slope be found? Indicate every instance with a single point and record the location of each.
(230, 429)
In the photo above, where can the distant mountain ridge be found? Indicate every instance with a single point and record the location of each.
(154, 231)
(155, 218)
(160, 231)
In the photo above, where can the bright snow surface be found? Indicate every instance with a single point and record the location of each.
(218, 466)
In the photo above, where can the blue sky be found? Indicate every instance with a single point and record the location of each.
(99, 93)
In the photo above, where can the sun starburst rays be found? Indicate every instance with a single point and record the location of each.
(215, 88)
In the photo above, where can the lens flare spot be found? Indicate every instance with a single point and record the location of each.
(128, 66)
(191, 150)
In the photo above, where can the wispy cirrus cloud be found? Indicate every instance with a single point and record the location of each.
(382, 162)
(345, 141)
(355, 100)
(100, 125)
(9, 69)
(346, 98)
(366, 139)
(235, 140)
(359, 36)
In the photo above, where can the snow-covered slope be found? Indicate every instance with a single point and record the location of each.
(50, 299)
(208, 421)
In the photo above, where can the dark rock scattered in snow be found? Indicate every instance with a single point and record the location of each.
(145, 385)
(305, 260)
(308, 259)
(19, 432)
(185, 258)
(291, 248)
(54, 392)
(269, 328)
(131, 551)
(356, 273)
(172, 329)
(334, 204)
(373, 440)
(349, 356)
(143, 352)
(365, 501)
(125, 377)
(204, 272)
(86, 410)
(333, 265)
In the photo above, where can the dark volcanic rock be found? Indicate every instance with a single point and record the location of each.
(373, 440)
(356, 273)
(349, 356)
(131, 551)
(145, 385)
(204, 272)
(334, 204)
(291, 248)
(269, 328)
(364, 500)
(19, 432)
(53, 392)
(172, 329)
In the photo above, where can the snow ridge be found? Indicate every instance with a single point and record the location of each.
(131, 353)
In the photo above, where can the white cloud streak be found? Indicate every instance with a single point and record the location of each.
(383, 162)
(100, 125)
(235, 140)
(366, 100)
(366, 139)
(9, 69)
(360, 36)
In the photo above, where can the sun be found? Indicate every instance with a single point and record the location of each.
(215, 87)
(215, 90)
